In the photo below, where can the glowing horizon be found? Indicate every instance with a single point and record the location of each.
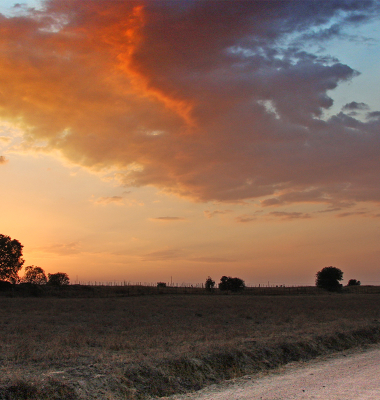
(143, 140)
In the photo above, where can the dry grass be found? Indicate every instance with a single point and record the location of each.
(125, 347)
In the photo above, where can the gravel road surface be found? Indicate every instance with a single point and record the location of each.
(346, 376)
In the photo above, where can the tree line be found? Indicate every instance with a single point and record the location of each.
(11, 262)
(328, 278)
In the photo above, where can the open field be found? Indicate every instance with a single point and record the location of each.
(133, 347)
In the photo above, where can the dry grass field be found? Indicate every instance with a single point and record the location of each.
(156, 345)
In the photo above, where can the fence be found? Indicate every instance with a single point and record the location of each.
(127, 288)
(143, 284)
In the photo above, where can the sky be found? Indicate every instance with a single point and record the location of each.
(149, 141)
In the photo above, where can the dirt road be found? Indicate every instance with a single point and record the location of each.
(347, 376)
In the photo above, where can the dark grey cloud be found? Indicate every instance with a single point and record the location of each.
(353, 106)
(374, 115)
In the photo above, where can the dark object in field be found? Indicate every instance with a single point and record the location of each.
(353, 282)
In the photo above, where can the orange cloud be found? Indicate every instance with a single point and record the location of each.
(213, 260)
(246, 218)
(168, 219)
(210, 214)
(289, 215)
(62, 248)
(349, 214)
(196, 98)
(170, 254)
(110, 200)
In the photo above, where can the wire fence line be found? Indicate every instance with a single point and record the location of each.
(144, 284)
(173, 285)
(129, 288)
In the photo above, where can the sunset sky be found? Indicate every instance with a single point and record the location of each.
(157, 140)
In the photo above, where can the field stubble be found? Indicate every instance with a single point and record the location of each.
(135, 347)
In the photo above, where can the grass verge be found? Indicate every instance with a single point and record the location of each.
(149, 380)
(188, 374)
(50, 389)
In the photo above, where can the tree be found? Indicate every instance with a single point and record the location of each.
(34, 275)
(328, 278)
(232, 284)
(58, 279)
(353, 282)
(10, 258)
(209, 285)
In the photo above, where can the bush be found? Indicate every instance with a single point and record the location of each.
(58, 279)
(29, 289)
(328, 278)
(232, 284)
(5, 286)
(353, 282)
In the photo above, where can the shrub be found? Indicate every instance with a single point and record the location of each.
(353, 282)
(232, 284)
(58, 279)
(5, 286)
(29, 289)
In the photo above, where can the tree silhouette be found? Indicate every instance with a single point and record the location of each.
(58, 279)
(232, 284)
(353, 282)
(209, 285)
(328, 278)
(34, 275)
(10, 258)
